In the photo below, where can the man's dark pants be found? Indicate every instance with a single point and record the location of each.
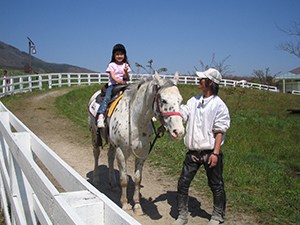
(191, 164)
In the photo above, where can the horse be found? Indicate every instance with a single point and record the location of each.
(131, 129)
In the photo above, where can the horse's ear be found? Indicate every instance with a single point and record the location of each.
(176, 77)
(157, 77)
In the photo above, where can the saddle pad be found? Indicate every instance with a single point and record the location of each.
(93, 108)
(113, 106)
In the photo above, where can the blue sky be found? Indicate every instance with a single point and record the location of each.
(174, 34)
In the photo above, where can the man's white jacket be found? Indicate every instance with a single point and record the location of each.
(205, 117)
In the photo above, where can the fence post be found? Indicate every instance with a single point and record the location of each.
(40, 82)
(59, 80)
(69, 79)
(79, 79)
(12, 86)
(4, 87)
(21, 84)
(30, 83)
(49, 81)
(89, 79)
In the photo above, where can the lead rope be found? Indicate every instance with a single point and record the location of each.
(161, 129)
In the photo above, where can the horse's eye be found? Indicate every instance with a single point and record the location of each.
(164, 101)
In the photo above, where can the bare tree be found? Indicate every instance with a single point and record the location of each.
(151, 69)
(220, 66)
(264, 77)
(292, 47)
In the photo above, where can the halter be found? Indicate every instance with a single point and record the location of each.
(160, 112)
(160, 130)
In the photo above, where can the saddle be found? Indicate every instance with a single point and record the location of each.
(117, 93)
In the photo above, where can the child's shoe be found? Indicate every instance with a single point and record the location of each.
(100, 121)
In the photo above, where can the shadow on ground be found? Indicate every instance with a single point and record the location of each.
(148, 205)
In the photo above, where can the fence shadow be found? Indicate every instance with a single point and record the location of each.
(148, 204)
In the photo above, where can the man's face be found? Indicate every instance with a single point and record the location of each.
(202, 84)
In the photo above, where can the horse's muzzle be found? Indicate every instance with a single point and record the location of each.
(176, 134)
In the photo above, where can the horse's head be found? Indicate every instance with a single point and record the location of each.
(167, 106)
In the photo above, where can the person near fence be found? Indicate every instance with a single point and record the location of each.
(207, 119)
(118, 70)
(5, 75)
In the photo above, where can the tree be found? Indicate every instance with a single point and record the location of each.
(292, 47)
(264, 77)
(151, 70)
(220, 66)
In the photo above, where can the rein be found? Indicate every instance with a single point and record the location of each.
(160, 130)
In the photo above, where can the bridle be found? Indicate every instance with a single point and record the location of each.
(160, 130)
(160, 113)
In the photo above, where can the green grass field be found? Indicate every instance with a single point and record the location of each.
(262, 150)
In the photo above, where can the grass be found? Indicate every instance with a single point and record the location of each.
(262, 154)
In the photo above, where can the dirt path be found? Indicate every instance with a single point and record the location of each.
(158, 191)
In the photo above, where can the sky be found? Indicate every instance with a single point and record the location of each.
(175, 34)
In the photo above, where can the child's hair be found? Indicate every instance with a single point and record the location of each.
(119, 47)
(214, 86)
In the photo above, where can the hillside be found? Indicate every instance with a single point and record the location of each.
(14, 59)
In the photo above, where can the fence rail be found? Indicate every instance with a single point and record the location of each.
(296, 92)
(19, 84)
(29, 197)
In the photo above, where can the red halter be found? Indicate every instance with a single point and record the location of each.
(162, 114)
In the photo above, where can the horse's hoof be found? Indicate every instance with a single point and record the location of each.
(96, 181)
(126, 207)
(116, 189)
(138, 210)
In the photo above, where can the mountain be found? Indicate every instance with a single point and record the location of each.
(14, 59)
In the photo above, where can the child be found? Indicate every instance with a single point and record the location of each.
(118, 70)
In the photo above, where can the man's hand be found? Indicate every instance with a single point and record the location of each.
(213, 160)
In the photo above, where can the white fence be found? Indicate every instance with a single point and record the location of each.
(29, 197)
(19, 84)
(296, 92)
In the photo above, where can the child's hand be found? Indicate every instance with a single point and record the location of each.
(126, 67)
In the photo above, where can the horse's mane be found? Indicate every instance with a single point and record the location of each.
(133, 89)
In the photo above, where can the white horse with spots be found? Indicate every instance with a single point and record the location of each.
(131, 130)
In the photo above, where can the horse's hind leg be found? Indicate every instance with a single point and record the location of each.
(112, 176)
(96, 152)
(137, 180)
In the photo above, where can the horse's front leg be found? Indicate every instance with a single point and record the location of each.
(121, 159)
(139, 163)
